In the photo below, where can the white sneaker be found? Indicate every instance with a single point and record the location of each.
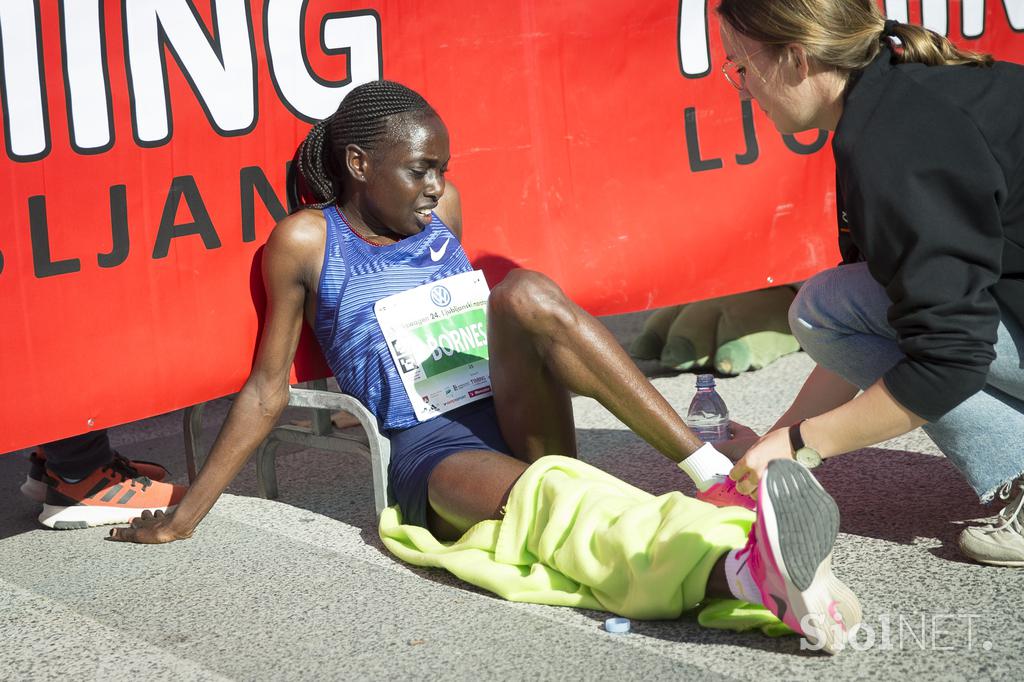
(1002, 543)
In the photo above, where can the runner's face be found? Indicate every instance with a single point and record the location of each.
(405, 179)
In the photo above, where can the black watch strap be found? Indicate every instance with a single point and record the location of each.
(796, 441)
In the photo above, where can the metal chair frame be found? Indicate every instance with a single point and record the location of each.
(320, 434)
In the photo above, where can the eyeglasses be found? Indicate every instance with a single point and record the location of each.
(736, 74)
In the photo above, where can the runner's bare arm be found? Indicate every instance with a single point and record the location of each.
(288, 264)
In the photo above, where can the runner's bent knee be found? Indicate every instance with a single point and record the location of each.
(531, 300)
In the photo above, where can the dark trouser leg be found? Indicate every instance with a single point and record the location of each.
(78, 456)
(840, 318)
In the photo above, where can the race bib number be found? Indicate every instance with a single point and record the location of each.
(437, 335)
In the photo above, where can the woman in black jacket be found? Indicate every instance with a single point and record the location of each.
(925, 313)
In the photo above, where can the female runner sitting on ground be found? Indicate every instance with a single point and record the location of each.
(384, 213)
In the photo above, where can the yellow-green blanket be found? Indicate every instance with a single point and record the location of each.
(574, 535)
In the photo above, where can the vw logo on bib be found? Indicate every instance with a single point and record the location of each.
(440, 296)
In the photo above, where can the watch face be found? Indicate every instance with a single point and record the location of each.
(809, 457)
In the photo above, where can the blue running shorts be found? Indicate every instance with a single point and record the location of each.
(415, 452)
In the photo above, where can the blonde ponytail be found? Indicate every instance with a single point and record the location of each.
(919, 45)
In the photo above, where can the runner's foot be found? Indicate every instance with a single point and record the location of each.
(340, 420)
(790, 555)
(724, 494)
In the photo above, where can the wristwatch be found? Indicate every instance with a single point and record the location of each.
(809, 457)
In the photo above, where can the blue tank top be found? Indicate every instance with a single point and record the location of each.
(354, 277)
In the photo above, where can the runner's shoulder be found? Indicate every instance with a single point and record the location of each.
(298, 234)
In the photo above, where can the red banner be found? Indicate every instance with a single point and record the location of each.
(593, 140)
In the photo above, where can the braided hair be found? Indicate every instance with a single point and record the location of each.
(317, 172)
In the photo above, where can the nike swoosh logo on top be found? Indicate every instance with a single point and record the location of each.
(439, 254)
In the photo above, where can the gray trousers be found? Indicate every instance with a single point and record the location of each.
(839, 317)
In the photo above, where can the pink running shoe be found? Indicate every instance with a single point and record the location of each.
(790, 555)
(724, 494)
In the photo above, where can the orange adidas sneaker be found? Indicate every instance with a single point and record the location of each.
(34, 487)
(116, 493)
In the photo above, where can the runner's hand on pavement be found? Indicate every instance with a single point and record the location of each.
(148, 529)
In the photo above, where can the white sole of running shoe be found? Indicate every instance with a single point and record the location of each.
(34, 490)
(81, 516)
(802, 521)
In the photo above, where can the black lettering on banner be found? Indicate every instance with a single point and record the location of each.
(697, 164)
(22, 82)
(184, 186)
(252, 181)
(1, 262)
(749, 135)
(119, 241)
(292, 201)
(39, 233)
(798, 147)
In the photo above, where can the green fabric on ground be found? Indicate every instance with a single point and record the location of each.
(740, 616)
(754, 351)
(574, 535)
(733, 334)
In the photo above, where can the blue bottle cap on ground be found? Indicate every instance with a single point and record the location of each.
(705, 381)
(617, 626)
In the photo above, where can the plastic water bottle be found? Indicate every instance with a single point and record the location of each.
(708, 417)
